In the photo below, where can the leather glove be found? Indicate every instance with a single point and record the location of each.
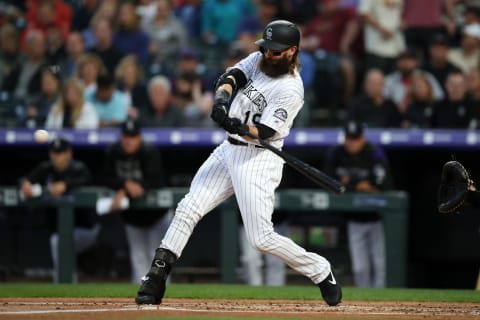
(220, 106)
(234, 126)
(454, 187)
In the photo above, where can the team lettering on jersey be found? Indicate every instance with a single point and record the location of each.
(254, 95)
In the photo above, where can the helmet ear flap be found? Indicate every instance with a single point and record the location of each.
(261, 49)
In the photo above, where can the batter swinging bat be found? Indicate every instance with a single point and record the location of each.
(315, 175)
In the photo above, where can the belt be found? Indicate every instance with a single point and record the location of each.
(240, 143)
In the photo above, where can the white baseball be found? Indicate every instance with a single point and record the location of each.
(41, 136)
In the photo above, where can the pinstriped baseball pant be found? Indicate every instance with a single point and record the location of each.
(252, 174)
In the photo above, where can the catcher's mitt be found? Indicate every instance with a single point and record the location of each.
(454, 187)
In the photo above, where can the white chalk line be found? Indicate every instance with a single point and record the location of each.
(346, 310)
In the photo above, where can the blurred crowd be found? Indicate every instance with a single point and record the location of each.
(91, 64)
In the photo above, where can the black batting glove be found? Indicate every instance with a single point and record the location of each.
(220, 106)
(235, 126)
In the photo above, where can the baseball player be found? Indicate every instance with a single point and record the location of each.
(268, 94)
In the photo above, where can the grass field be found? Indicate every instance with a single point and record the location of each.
(189, 292)
(221, 291)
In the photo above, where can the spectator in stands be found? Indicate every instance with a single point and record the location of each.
(371, 107)
(298, 10)
(129, 80)
(49, 14)
(51, 180)
(104, 48)
(90, 66)
(132, 167)
(398, 83)
(82, 15)
(437, 64)
(473, 86)
(419, 111)
(362, 167)
(383, 40)
(221, 18)
(40, 106)
(9, 50)
(146, 10)
(467, 57)
(23, 81)
(129, 38)
(55, 46)
(111, 104)
(334, 31)
(161, 111)
(195, 103)
(251, 27)
(71, 110)
(190, 14)
(189, 61)
(74, 48)
(108, 10)
(456, 111)
(167, 33)
(421, 21)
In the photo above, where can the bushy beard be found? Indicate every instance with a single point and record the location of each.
(275, 68)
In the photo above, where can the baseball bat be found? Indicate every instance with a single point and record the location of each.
(315, 175)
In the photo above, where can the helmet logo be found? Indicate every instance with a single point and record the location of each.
(268, 33)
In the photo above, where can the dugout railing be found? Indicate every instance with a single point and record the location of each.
(392, 206)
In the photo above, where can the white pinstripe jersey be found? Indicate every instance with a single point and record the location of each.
(274, 102)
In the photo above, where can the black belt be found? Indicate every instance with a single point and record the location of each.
(240, 143)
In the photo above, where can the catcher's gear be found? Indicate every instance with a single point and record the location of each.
(454, 187)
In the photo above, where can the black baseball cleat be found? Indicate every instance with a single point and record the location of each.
(331, 290)
(153, 284)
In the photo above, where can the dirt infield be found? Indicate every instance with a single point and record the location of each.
(114, 308)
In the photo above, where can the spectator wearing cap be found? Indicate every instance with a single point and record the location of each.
(364, 168)
(167, 33)
(53, 178)
(371, 107)
(72, 110)
(111, 104)
(437, 64)
(398, 83)
(161, 112)
(467, 56)
(132, 167)
(383, 36)
(195, 102)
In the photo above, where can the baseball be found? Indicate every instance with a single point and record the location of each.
(41, 136)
